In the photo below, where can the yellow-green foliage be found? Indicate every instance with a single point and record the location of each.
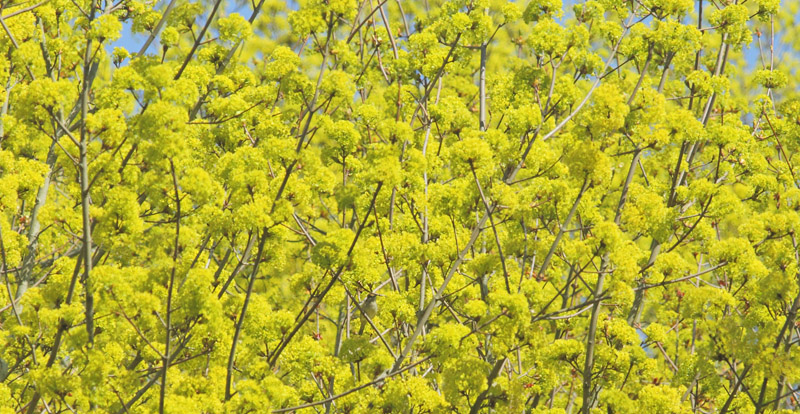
(402, 206)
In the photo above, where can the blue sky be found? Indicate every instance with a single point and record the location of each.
(132, 42)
